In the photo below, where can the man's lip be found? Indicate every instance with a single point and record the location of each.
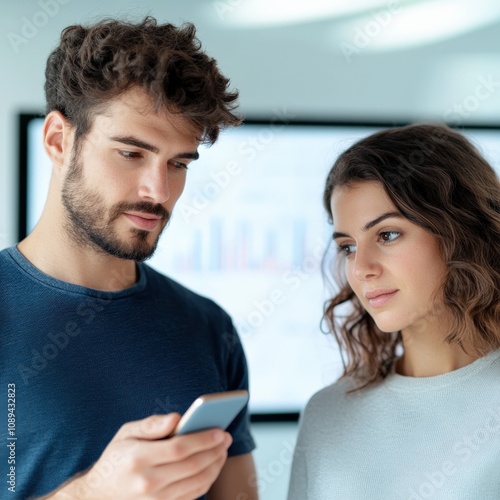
(145, 222)
(372, 294)
(144, 215)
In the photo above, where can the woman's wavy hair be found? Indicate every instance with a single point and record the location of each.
(94, 64)
(440, 182)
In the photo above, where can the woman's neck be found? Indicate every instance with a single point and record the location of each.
(427, 354)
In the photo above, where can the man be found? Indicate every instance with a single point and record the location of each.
(101, 351)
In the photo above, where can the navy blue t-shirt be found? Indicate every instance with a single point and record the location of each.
(79, 363)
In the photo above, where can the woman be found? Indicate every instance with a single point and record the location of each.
(416, 414)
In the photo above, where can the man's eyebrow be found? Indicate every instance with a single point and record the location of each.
(133, 141)
(188, 156)
(370, 224)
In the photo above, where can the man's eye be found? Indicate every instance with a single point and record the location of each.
(130, 155)
(180, 165)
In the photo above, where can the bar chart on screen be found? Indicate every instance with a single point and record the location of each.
(250, 232)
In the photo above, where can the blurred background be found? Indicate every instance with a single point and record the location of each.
(356, 60)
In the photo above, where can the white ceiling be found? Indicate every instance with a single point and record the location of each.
(345, 58)
(286, 65)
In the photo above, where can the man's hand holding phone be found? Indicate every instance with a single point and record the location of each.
(139, 463)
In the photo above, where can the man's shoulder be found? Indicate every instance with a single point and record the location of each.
(166, 288)
(163, 284)
(8, 260)
(5, 254)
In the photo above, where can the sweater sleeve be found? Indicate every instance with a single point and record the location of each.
(297, 489)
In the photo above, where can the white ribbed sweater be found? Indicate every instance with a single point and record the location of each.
(405, 439)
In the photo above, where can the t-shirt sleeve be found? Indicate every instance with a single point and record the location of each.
(297, 488)
(237, 378)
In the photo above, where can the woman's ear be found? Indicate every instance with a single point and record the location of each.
(58, 136)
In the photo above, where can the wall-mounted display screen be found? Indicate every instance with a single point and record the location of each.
(250, 232)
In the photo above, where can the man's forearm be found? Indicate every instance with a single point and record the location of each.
(73, 489)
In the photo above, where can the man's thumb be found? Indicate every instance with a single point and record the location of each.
(153, 427)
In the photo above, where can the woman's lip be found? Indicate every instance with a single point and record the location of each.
(381, 299)
(147, 224)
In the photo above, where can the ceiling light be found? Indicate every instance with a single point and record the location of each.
(414, 25)
(264, 13)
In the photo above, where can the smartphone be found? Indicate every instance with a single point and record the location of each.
(212, 410)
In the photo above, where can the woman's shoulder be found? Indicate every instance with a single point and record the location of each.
(332, 397)
(330, 409)
(338, 389)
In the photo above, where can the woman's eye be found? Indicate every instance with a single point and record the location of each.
(346, 249)
(388, 236)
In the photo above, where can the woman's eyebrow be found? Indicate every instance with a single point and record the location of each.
(370, 224)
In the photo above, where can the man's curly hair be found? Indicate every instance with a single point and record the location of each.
(95, 64)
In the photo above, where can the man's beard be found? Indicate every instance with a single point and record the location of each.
(90, 223)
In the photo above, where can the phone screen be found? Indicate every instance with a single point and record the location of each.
(212, 410)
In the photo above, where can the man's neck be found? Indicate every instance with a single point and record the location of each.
(55, 254)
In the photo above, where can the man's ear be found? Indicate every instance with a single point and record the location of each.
(58, 136)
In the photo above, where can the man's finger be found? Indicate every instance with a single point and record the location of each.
(151, 428)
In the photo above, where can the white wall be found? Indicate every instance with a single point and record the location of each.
(296, 70)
